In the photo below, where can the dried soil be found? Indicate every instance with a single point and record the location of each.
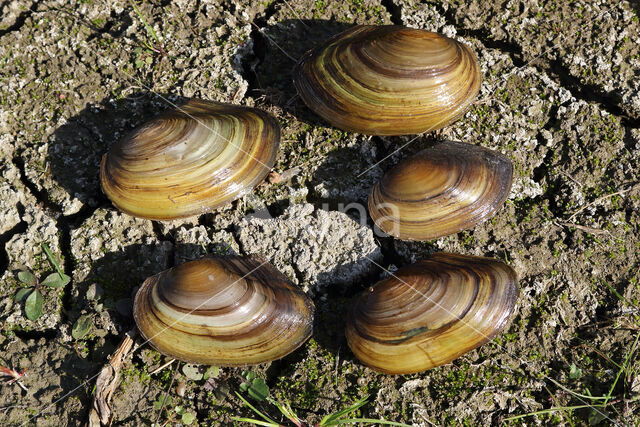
(560, 98)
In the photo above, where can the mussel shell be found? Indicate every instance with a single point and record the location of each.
(224, 311)
(431, 312)
(439, 191)
(388, 80)
(190, 160)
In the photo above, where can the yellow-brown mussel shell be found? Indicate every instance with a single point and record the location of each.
(190, 160)
(388, 80)
(439, 191)
(431, 312)
(224, 311)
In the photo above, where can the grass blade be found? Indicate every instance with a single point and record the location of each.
(149, 28)
(52, 260)
(622, 368)
(332, 418)
(285, 409)
(369, 421)
(264, 417)
(576, 394)
(256, 422)
(548, 411)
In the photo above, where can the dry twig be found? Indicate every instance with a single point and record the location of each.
(165, 395)
(4, 409)
(107, 382)
(601, 198)
(582, 227)
(155, 371)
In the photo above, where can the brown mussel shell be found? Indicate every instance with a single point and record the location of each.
(224, 311)
(190, 160)
(431, 312)
(388, 80)
(439, 191)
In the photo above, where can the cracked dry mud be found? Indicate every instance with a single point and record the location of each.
(560, 98)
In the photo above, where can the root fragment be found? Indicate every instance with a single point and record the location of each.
(107, 382)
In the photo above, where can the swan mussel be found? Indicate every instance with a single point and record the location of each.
(388, 80)
(224, 311)
(441, 190)
(190, 160)
(431, 312)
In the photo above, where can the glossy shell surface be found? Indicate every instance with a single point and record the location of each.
(224, 311)
(190, 160)
(388, 80)
(431, 312)
(439, 191)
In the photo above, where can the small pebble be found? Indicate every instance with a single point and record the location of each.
(181, 388)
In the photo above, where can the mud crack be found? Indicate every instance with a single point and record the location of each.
(167, 236)
(20, 20)
(394, 10)
(589, 93)
(251, 62)
(21, 227)
(65, 224)
(484, 36)
(48, 334)
(114, 28)
(609, 102)
(542, 170)
(39, 194)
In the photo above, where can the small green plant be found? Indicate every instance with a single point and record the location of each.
(186, 418)
(144, 54)
(600, 407)
(574, 372)
(254, 386)
(335, 419)
(32, 296)
(164, 403)
(14, 376)
(82, 327)
(161, 402)
(200, 372)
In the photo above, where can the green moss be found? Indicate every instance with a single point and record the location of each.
(316, 373)
(320, 9)
(467, 238)
(134, 374)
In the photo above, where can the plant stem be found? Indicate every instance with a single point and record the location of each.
(53, 261)
(147, 26)
(622, 368)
